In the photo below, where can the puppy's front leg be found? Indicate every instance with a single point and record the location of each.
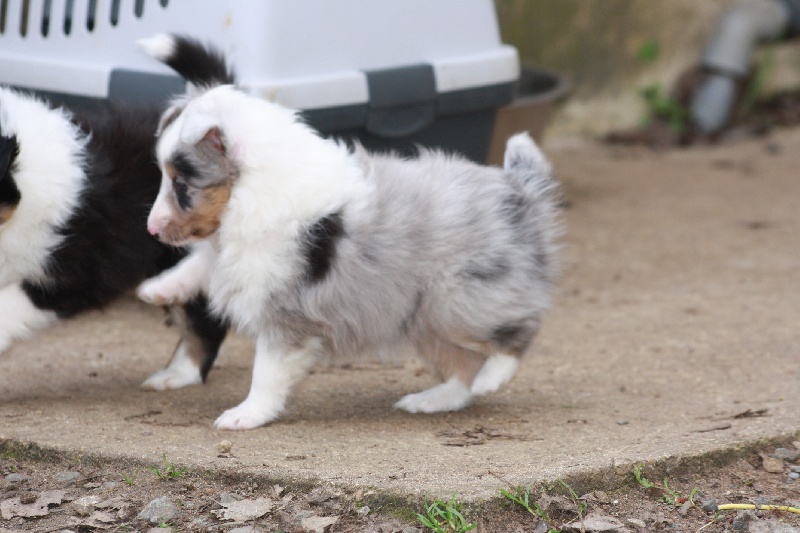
(182, 282)
(276, 370)
(19, 317)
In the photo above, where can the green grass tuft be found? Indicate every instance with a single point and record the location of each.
(445, 517)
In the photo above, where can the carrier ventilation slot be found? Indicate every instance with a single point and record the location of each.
(3, 10)
(54, 20)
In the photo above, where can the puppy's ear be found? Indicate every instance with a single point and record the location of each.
(212, 140)
(212, 152)
(168, 118)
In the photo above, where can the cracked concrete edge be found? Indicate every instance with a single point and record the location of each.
(615, 477)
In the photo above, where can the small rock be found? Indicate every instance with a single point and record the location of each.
(786, 454)
(597, 496)
(86, 504)
(27, 498)
(685, 508)
(796, 444)
(742, 520)
(636, 522)
(710, 505)
(773, 465)
(761, 501)
(541, 527)
(67, 477)
(318, 524)
(17, 478)
(622, 422)
(159, 530)
(225, 446)
(200, 523)
(794, 475)
(100, 520)
(558, 503)
(796, 468)
(126, 511)
(363, 511)
(596, 522)
(113, 503)
(160, 509)
(226, 498)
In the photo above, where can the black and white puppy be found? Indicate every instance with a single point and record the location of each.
(75, 191)
(315, 249)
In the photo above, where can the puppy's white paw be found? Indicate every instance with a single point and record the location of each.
(172, 378)
(161, 291)
(495, 372)
(451, 395)
(246, 416)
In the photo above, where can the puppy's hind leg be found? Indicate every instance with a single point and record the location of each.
(495, 372)
(451, 395)
(202, 335)
(508, 343)
(458, 366)
(276, 369)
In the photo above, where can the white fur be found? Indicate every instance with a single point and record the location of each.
(161, 46)
(161, 210)
(181, 371)
(451, 395)
(275, 371)
(495, 372)
(19, 318)
(50, 180)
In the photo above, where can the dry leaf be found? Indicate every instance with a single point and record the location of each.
(99, 520)
(244, 510)
(318, 524)
(14, 507)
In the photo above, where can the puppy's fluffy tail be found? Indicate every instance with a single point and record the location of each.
(524, 160)
(200, 65)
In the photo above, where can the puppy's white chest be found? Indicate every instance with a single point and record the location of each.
(245, 280)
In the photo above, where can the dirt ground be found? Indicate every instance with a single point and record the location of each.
(93, 494)
(673, 343)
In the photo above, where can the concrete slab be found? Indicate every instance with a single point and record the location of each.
(678, 310)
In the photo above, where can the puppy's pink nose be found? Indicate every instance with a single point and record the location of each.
(153, 229)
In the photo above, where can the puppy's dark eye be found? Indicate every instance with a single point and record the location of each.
(182, 194)
(9, 150)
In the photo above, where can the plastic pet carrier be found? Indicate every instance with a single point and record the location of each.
(392, 73)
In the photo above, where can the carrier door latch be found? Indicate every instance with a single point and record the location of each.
(402, 100)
